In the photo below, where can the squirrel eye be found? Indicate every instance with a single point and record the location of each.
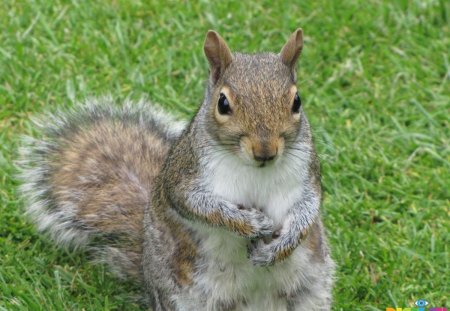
(297, 103)
(223, 105)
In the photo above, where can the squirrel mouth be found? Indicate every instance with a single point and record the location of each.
(265, 164)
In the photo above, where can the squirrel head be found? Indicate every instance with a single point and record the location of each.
(252, 102)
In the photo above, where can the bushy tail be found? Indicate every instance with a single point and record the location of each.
(89, 177)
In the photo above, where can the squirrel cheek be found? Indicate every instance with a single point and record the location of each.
(246, 147)
(281, 143)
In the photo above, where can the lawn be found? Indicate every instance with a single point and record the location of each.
(375, 82)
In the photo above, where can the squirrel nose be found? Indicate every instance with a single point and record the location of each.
(264, 156)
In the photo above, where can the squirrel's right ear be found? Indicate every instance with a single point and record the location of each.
(218, 54)
(291, 50)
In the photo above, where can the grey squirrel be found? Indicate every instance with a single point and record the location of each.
(221, 214)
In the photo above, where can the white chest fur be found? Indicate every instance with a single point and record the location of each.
(227, 275)
(272, 189)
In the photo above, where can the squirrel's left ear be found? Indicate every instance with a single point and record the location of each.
(218, 54)
(291, 50)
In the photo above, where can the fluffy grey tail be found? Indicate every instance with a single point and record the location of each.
(88, 179)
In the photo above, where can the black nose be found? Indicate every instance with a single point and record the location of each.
(264, 157)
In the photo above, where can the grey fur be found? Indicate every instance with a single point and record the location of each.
(151, 199)
(58, 217)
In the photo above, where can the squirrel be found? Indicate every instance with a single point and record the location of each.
(219, 214)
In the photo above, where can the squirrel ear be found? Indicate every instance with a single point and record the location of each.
(217, 53)
(291, 50)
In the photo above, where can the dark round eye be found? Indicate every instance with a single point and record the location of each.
(297, 104)
(223, 105)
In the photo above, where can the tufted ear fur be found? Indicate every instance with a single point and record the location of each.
(291, 50)
(218, 54)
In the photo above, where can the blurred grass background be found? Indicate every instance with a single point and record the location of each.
(375, 82)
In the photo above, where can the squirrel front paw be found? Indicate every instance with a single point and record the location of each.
(256, 224)
(261, 253)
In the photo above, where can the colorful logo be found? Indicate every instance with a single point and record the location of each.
(421, 304)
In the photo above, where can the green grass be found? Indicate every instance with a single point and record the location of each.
(375, 82)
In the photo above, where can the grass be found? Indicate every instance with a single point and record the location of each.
(375, 82)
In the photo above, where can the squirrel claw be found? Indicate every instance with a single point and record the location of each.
(261, 224)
